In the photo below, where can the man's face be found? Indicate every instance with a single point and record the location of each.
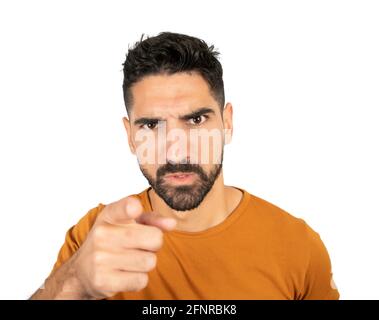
(177, 131)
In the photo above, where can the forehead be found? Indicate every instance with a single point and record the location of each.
(170, 95)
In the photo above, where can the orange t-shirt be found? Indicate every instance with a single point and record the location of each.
(258, 252)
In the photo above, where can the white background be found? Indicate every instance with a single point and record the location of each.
(303, 77)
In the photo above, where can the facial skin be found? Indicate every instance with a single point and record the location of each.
(182, 103)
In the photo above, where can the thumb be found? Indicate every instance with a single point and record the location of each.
(123, 211)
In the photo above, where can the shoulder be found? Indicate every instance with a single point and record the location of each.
(289, 236)
(277, 218)
(283, 222)
(300, 247)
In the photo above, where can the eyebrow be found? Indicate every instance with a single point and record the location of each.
(194, 114)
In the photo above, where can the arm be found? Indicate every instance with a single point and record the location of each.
(62, 284)
(319, 284)
(111, 253)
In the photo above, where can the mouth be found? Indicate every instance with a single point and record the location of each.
(180, 177)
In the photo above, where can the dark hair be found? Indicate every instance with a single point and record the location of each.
(169, 53)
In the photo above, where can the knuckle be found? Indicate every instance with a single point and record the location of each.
(98, 258)
(129, 232)
(99, 233)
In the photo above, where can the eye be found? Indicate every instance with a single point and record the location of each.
(198, 119)
(150, 125)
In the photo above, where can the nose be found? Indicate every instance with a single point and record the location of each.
(181, 161)
(177, 152)
(174, 144)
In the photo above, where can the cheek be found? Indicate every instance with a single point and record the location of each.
(206, 146)
(145, 147)
(151, 170)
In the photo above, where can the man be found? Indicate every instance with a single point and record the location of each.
(187, 236)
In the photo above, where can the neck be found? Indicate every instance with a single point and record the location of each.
(220, 201)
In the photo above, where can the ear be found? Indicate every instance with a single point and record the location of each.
(128, 129)
(228, 122)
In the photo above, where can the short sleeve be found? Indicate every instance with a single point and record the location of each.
(76, 235)
(318, 283)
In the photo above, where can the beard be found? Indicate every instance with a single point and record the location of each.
(186, 197)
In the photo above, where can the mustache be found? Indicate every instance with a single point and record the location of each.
(181, 167)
